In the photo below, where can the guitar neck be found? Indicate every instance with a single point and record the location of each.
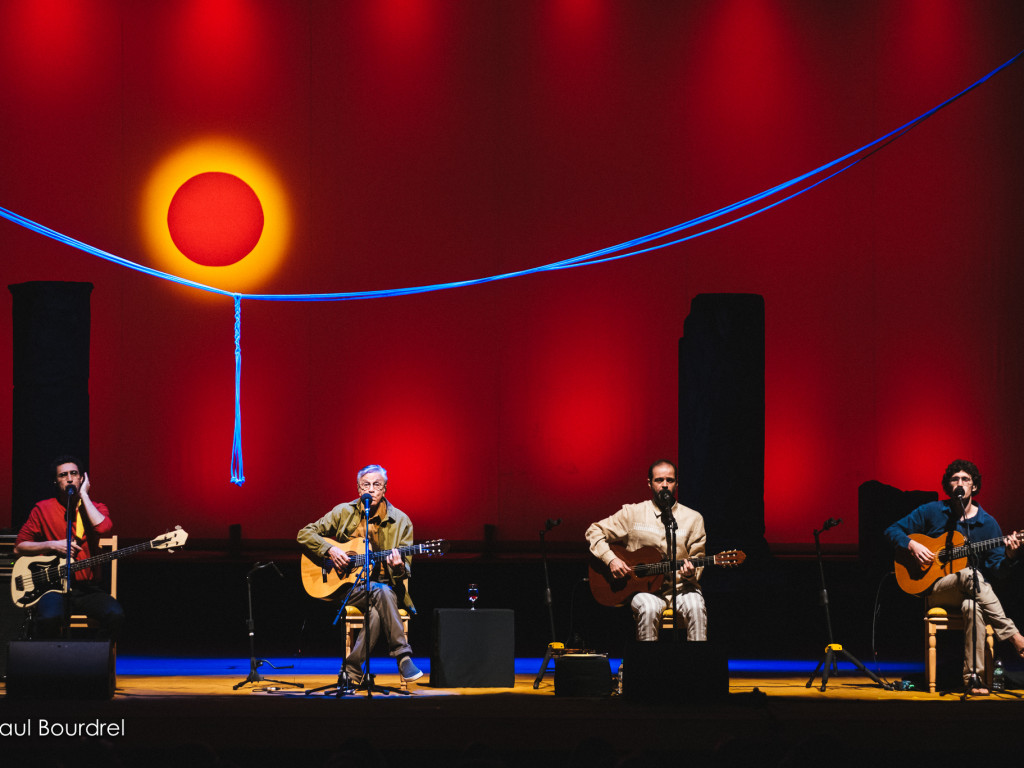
(410, 549)
(664, 566)
(106, 557)
(967, 549)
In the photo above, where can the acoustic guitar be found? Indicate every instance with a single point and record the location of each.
(648, 574)
(34, 576)
(951, 554)
(323, 581)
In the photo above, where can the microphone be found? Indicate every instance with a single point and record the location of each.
(832, 522)
(665, 500)
(272, 564)
(71, 490)
(957, 501)
(366, 499)
(552, 523)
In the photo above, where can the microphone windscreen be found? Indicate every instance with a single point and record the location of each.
(959, 491)
(666, 500)
(366, 499)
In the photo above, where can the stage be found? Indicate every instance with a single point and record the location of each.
(170, 711)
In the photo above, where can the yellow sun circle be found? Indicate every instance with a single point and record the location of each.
(226, 155)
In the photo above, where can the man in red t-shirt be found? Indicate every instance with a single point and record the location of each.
(45, 533)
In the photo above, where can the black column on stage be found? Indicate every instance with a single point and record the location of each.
(721, 418)
(51, 385)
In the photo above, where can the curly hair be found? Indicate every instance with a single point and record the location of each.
(961, 465)
(65, 458)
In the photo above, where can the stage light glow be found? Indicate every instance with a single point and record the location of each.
(232, 250)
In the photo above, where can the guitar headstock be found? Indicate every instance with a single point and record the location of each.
(435, 547)
(171, 539)
(730, 558)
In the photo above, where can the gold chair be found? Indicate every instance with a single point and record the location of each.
(354, 621)
(108, 544)
(937, 619)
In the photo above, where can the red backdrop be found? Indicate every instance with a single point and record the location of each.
(421, 141)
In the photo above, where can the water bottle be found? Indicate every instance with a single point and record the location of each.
(619, 679)
(998, 677)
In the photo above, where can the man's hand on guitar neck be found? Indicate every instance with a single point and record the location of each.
(620, 570)
(394, 559)
(1013, 544)
(341, 559)
(921, 553)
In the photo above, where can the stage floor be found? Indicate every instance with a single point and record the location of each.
(189, 711)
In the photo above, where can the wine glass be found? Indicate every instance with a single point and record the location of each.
(473, 593)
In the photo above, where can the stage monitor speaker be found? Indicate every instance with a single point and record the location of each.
(721, 417)
(12, 617)
(60, 669)
(473, 648)
(583, 674)
(12, 623)
(679, 672)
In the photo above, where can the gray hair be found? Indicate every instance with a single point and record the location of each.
(370, 468)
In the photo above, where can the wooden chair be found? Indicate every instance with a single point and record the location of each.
(937, 619)
(354, 621)
(80, 620)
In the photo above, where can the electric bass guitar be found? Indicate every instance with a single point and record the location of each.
(648, 574)
(323, 581)
(951, 553)
(34, 576)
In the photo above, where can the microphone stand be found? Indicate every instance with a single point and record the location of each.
(547, 582)
(69, 516)
(973, 680)
(254, 663)
(829, 661)
(670, 535)
(343, 686)
(554, 649)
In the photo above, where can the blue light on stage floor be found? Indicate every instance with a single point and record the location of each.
(159, 666)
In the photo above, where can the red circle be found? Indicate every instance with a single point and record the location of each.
(215, 219)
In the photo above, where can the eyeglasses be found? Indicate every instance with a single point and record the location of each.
(957, 480)
(69, 473)
(376, 485)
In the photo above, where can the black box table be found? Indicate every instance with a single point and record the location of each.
(473, 649)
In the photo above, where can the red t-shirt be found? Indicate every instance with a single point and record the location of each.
(46, 523)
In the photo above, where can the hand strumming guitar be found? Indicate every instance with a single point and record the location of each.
(921, 553)
(619, 569)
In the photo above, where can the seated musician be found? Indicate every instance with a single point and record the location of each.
(936, 519)
(390, 528)
(45, 533)
(643, 525)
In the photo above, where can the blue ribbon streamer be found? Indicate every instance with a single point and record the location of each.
(237, 475)
(622, 250)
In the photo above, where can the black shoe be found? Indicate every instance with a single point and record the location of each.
(408, 670)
